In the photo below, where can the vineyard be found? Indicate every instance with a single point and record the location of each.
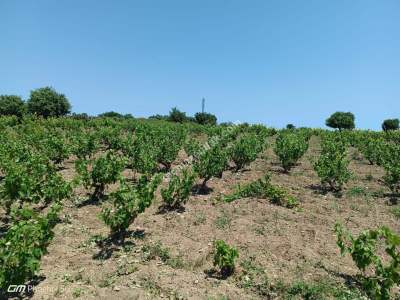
(123, 208)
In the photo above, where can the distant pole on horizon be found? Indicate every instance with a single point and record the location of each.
(203, 101)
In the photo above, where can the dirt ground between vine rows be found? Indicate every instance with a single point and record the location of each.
(288, 244)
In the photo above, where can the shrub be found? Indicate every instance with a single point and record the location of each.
(84, 145)
(127, 203)
(99, 172)
(32, 181)
(205, 118)
(11, 105)
(332, 165)
(341, 120)
(392, 177)
(22, 183)
(245, 150)
(54, 188)
(55, 147)
(110, 136)
(377, 277)
(224, 257)
(390, 124)
(193, 148)
(391, 165)
(168, 143)
(144, 159)
(392, 136)
(25, 242)
(175, 115)
(46, 102)
(142, 151)
(290, 147)
(178, 190)
(211, 163)
(372, 149)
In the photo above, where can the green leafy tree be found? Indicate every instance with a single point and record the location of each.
(341, 120)
(224, 257)
(175, 115)
(178, 190)
(290, 147)
(159, 117)
(11, 105)
(46, 102)
(110, 114)
(390, 124)
(80, 116)
(205, 118)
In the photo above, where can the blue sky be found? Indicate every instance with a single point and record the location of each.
(271, 62)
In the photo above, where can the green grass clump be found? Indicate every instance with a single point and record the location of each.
(263, 188)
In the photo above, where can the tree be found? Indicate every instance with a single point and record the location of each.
(159, 117)
(205, 118)
(80, 116)
(128, 116)
(47, 102)
(110, 114)
(341, 120)
(390, 124)
(11, 105)
(290, 126)
(175, 115)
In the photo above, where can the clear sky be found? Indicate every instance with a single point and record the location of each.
(260, 61)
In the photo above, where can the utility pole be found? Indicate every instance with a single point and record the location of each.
(203, 101)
